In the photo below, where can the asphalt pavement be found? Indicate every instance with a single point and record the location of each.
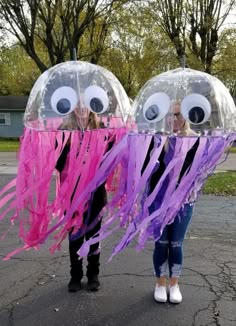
(33, 286)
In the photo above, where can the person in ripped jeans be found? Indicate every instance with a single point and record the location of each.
(168, 251)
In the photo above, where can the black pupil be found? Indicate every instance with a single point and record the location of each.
(152, 112)
(63, 106)
(196, 114)
(96, 105)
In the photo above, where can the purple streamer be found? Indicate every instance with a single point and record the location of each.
(150, 227)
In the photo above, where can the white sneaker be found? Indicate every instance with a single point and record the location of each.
(160, 294)
(175, 294)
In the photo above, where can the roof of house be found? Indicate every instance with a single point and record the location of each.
(13, 103)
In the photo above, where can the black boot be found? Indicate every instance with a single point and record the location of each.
(93, 283)
(92, 272)
(74, 285)
(76, 270)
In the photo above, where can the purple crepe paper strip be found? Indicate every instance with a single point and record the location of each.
(187, 183)
(142, 139)
(134, 229)
(207, 155)
(130, 201)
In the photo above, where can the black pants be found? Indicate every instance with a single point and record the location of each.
(98, 201)
(76, 270)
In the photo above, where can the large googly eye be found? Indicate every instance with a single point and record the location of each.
(64, 100)
(96, 99)
(156, 107)
(196, 109)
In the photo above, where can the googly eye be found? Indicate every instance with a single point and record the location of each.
(156, 107)
(96, 99)
(64, 100)
(196, 109)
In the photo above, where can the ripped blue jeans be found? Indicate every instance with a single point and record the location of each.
(168, 252)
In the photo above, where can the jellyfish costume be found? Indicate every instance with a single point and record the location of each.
(158, 149)
(200, 101)
(62, 94)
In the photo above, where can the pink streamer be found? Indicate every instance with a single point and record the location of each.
(39, 216)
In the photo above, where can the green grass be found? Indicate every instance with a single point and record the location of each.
(233, 150)
(9, 145)
(221, 184)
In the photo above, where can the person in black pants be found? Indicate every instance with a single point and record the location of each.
(96, 203)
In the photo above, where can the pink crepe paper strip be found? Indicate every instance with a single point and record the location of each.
(38, 216)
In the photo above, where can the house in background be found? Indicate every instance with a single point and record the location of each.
(12, 110)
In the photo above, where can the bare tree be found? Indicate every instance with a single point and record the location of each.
(192, 25)
(58, 24)
(169, 15)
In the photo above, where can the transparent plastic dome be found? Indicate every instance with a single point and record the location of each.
(76, 85)
(183, 96)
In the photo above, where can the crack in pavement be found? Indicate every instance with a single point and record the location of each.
(224, 279)
(40, 280)
(198, 312)
(126, 274)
